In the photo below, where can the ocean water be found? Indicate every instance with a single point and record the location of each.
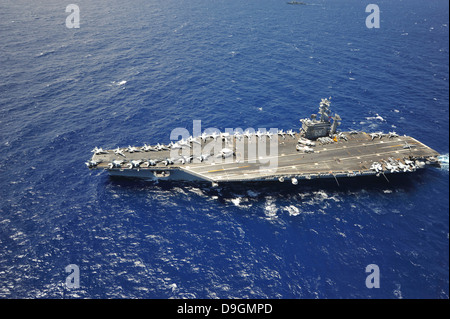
(135, 70)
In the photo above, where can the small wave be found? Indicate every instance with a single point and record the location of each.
(197, 191)
(252, 193)
(240, 201)
(443, 161)
(173, 287)
(42, 54)
(236, 201)
(270, 210)
(118, 83)
(397, 292)
(180, 27)
(292, 210)
(317, 198)
(376, 117)
(320, 195)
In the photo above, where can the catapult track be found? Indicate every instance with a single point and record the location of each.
(352, 154)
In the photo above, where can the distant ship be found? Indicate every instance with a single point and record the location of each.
(296, 2)
(316, 150)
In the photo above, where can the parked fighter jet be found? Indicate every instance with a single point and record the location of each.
(411, 164)
(203, 157)
(305, 141)
(259, 134)
(118, 151)
(225, 152)
(392, 134)
(151, 162)
(116, 164)
(160, 147)
(203, 137)
(224, 136)
(342, 136)
(185, 159)
(282, 133)
(135, 164)
(132, 149)
(168, 161)
(99, 150)
(214, 135)
(174, 146)
(377, 167)
(291, 133)
(147, 148)
(404, 167)
(184, 143)
(248, 134)
(376, 134)
(192, 139)
(304, 148)
(238, 136)
(391, 166)
(408, 145)
(325, 140)
(91, 163)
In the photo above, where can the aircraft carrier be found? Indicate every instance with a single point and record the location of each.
(317, 150)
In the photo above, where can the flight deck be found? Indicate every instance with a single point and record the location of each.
(352, 156)
(317, 150)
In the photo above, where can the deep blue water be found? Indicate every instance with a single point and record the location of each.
(137, 69)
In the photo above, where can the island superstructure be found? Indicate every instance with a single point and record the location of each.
(317, 150)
